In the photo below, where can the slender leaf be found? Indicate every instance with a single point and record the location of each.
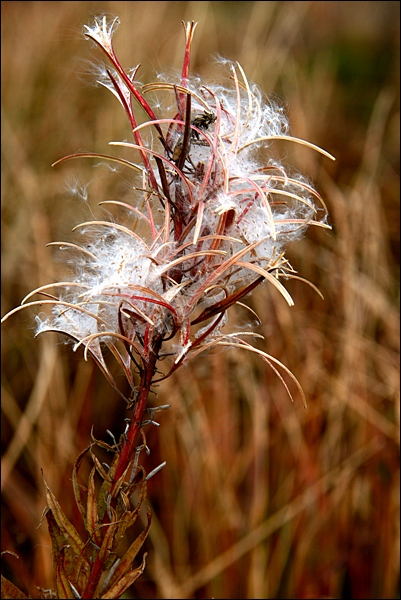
(70, 533)
(62, 582)
(58, 543)
(77, 487)
(131, 553)
(92, 508)
(123, 584)
(100, 469)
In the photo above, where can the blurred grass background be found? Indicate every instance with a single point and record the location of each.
(260, 497)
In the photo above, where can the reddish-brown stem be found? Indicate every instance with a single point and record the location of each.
(137, 417)
(128, 448)
(137, 136)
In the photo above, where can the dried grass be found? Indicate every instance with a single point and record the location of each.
(260, 497)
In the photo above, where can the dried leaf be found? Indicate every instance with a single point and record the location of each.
(114, 464)
(9, 590)
(77, 487)
(106, 556)
(123, 510)
(106, 486)
(101, 443)
(108, 542)
(123, 584)
(125, 516)
(62, 582)
(102, 498)
(121, 480)
(130, 555)
(59, 543)
(92, 509)
(141, 498)
(70, 533)
(82, 572)
(100, 469)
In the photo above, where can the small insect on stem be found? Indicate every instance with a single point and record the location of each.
(203, 121)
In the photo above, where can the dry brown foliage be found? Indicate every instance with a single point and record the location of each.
(260, 498)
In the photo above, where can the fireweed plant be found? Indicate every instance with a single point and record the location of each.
(211, 223)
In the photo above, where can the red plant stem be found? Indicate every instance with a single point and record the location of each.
(128, 448)
(140, 406)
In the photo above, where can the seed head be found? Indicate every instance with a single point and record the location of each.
(214, 213)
